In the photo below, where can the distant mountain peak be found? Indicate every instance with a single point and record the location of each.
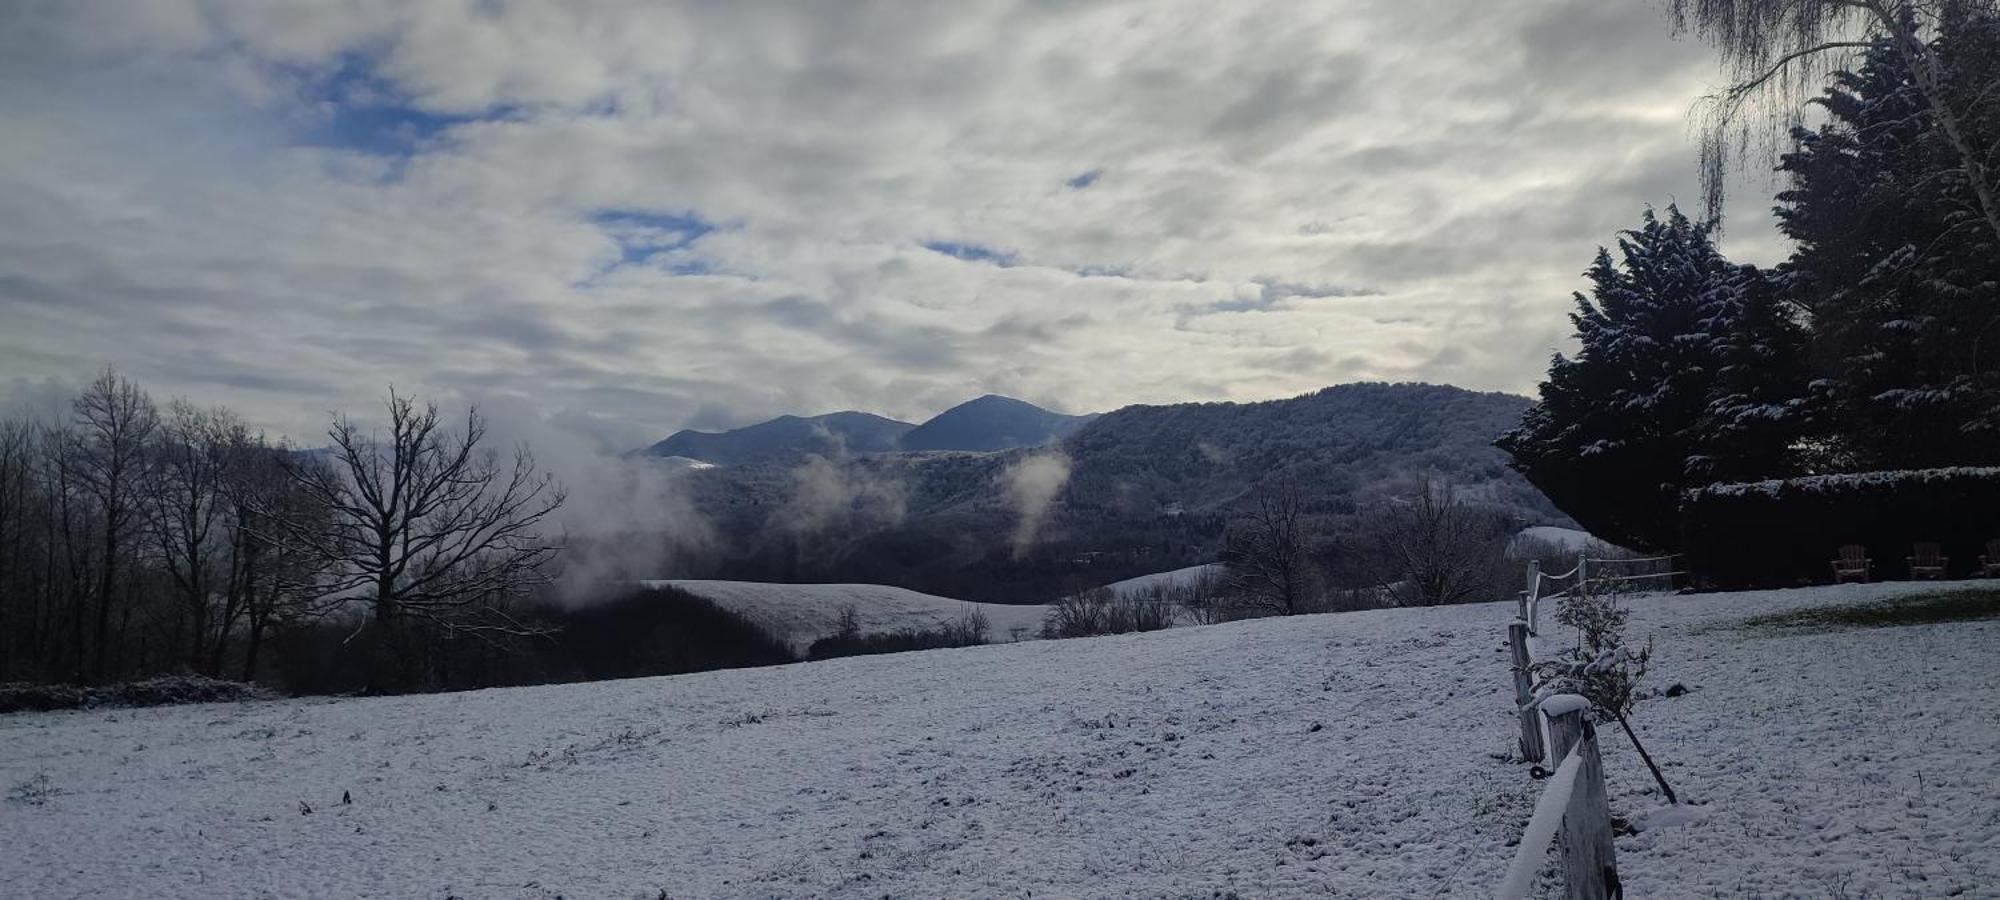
(787, 436)
(992, 422)
(984, 424)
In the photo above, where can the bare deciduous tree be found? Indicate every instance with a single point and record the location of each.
(1265, 554)
(186, 506)
(423, 522)
(115, 421)
(17, 472)
(1443, 551)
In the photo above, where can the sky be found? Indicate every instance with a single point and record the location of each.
(633, 216)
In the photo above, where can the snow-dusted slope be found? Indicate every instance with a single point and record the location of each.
(1569, 540)
(1143, 583)
(799, 614)
(1345, 755)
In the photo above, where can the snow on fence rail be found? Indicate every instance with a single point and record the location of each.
(1540, 835)
(1573, 812)
(1559, 728)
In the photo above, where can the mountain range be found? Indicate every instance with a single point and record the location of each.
(988, 424)
(1065, 503)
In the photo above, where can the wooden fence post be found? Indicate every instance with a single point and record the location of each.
(1524, 692)
(1532, 594)
(1590, 864)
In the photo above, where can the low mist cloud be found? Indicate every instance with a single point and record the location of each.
(626, 518)
(830, 492)
(1032, 485)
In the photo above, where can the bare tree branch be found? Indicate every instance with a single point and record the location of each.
(424, 523)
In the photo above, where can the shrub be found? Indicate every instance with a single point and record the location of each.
(41, 697)
(1784, 532)
(1080, 614)
(162, 691)
(969, 631)
(1202, 600)
(1104, 611)
(1601, 666)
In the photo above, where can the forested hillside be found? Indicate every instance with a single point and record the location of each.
(1141, 489)
(786, 437)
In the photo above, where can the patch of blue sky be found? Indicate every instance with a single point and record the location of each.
(642, 235)
(349, 107)
(972, 252)
(1244, 304)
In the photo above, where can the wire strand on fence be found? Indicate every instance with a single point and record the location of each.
(1635, 559)
(1541, 831)
(1637, 577)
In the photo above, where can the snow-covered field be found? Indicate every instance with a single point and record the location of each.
(1173, 578)
(1568, 540)
(1349, 754)
(799, 614)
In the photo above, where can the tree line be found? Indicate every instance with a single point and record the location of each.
(1871, 348)
(137, 539)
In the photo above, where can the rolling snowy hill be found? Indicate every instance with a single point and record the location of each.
(1356, 754)
(1172, 578)
(799, 614)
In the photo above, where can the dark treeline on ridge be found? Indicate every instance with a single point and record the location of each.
(140, 540)
(1137, 490)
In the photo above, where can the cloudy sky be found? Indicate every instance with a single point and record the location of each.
(635, 215)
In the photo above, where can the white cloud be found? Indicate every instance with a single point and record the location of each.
(197, 195)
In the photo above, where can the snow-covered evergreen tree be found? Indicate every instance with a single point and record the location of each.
(1902, 283)
(1757, 409)
(1618, 423)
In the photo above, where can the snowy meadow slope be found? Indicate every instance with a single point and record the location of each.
(1354, 754)
(799, 614)
(1182, 577)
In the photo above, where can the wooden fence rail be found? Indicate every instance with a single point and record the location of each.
(1578, 581)
(1574, 811)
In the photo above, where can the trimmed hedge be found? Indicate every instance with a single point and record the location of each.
(1786, 532)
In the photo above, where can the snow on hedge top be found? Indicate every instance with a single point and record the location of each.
(799, 614)
(1844, 481)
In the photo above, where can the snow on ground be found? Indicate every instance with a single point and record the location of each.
(1173, 577)
(799, 614)
(682, 463)
(1568, 540)
(1347, 754)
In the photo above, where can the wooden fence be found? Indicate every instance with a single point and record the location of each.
(1573, 811)
(1590, 574)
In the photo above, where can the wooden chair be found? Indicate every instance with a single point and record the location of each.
(1989, 562)
(1929, 561)
(1853, 564)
